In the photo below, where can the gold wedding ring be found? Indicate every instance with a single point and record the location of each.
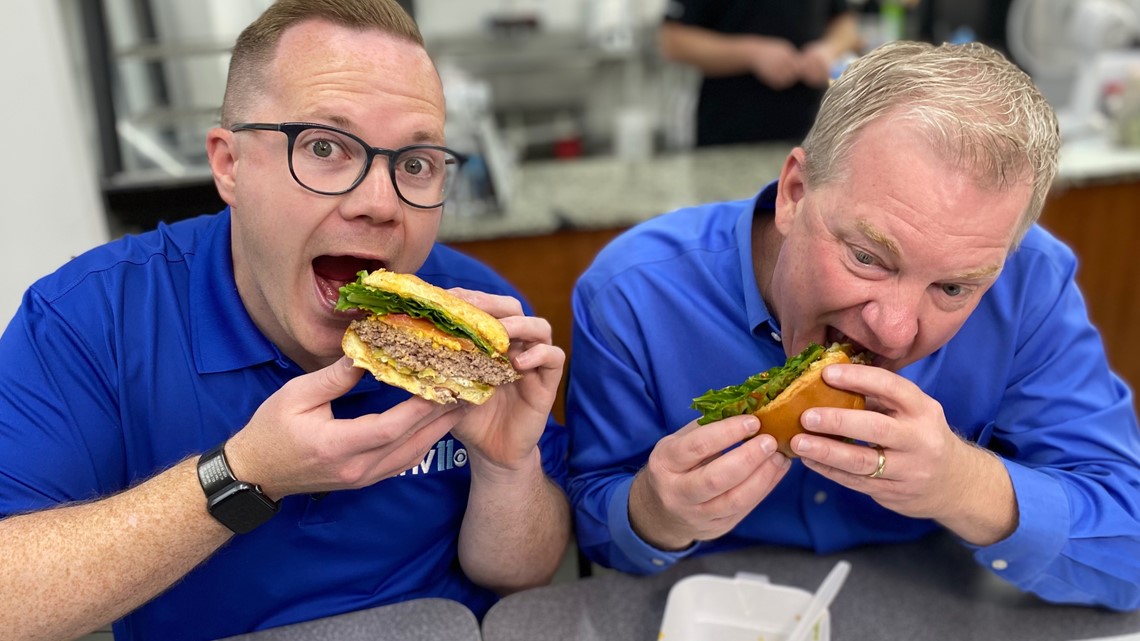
(882, 464)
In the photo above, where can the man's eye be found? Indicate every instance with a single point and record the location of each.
(413, 166)
(863, 257)
(953, 290)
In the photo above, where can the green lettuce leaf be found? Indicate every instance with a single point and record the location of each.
(360, 296)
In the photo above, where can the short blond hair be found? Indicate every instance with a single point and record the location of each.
(979, 109)
(254, 49)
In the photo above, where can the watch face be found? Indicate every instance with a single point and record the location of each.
(241, 507)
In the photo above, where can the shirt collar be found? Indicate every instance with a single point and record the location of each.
(760, 320)
(223, 334)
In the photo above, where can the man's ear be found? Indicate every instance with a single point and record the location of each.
(221, 150)
(790, 190)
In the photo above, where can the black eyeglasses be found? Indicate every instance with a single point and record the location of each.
(331, 161)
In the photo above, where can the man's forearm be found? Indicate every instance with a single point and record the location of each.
(515, 530)
(987, 509)
(75, 568)
(714, 54)
(843, 34)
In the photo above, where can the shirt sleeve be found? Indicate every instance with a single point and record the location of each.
(60, 439)
(1068, 434)
(612, 417)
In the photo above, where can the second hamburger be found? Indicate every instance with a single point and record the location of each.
(779, 396)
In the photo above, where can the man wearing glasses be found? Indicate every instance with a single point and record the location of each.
(141, 373)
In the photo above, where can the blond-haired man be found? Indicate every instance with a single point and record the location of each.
(904, 225)
(124, 367)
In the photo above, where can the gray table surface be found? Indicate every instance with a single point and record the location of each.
(931, 589)
(418, 620)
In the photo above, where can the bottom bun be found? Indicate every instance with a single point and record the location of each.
(437, 389)
(781, 417)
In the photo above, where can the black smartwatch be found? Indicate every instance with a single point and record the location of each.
(239, 506)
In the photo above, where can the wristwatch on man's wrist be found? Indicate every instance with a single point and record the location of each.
(237, 505)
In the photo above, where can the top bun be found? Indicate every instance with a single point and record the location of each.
(412, 286)
(781, 416)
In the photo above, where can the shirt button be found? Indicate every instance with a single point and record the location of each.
(820, 497)
(999, 564)
(775, 336)
(658, 562)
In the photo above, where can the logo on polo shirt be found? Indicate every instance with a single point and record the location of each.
(447, 454)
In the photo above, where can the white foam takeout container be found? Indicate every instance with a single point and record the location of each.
(746, 607)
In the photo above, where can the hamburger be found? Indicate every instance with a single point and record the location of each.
(781, 394)
(421, 338)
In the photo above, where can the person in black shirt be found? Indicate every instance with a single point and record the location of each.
(765, 63)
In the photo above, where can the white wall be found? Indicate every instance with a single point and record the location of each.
(51, 204)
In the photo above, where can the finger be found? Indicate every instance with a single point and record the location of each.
(877, 487)
(858, 425)
(723, 473)
(327, 383)
(859, 460)
(527, 329)
(494, 304)
(891, 390)
(393, 426)
(742, 499)
(693, 444)
(411, 451)
(547, 360)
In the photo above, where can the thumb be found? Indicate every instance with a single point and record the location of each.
(333, 381)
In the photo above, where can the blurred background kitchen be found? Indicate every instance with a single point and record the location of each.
(576, 124)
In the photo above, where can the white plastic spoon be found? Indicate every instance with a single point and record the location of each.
(822, 598)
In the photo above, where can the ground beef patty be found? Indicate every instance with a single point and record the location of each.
(418, 354)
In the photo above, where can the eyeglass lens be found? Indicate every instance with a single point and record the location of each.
(329, 162)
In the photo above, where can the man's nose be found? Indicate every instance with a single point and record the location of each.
(893, 318)
(375, 197)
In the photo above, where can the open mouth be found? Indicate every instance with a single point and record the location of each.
(333, 272)
(836, 336)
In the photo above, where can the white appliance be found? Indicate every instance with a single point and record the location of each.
(1081, 53)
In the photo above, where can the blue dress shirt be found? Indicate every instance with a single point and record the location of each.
(671, 309)
(139, 354)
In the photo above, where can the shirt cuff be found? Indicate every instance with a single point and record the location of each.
(1042, 528)
(646, 558)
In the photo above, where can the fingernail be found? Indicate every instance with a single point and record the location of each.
(768, 445)
(832, 374)
(810, 418)
(751, 425)
(803, 444)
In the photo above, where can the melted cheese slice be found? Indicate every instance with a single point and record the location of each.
(427, 330)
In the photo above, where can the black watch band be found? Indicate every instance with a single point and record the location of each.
(237, 505)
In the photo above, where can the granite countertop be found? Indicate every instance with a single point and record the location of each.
(605, 192)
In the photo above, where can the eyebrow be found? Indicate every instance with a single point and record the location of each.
(341, 122)
(887, 244)
(978, 274)
(877, 237)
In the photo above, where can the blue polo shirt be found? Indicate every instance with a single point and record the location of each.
(672, 309)
(139, 354)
